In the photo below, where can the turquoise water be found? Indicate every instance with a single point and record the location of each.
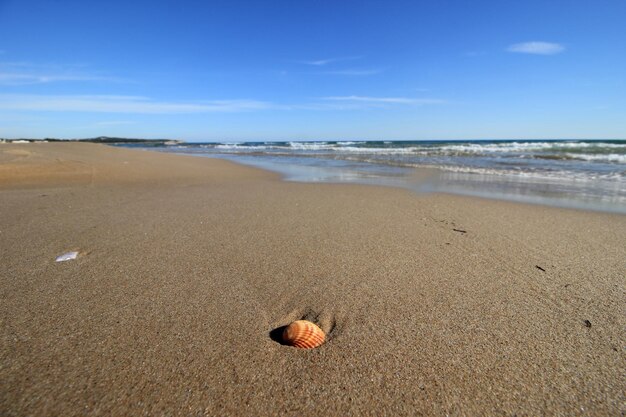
(567, 173)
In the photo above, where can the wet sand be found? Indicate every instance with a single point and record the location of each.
(433, 304)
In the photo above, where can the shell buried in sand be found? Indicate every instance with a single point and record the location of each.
(303, 334)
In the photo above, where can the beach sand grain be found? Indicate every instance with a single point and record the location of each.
(188, 264)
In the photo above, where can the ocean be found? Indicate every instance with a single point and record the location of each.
(585, 174)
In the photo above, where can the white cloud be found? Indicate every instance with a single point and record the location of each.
(539, 48)
(115, 104)
(115, 123)
(385, 100)
(356, 72)
(322, 62)
(24, 73)
(122, 104)
(12, 78)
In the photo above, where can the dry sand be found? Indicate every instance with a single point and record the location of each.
(187, 264)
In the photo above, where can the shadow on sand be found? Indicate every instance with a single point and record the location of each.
(277, 335)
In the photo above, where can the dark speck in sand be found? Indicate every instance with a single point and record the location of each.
(540, 268)
(587, 323)
(460, 231)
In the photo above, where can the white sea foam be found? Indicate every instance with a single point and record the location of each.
(530, 174)
(594, 172)
(516, 149)
(382, 151)
(558, 175)
(568, 160)
(311, 146)
(613, 157)
(527, 146)
(242, 147)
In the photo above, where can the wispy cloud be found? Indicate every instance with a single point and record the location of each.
(322, 62)
(115, 104)
(12, 78)
(341, 71)
(24, 73)
(115, 123)
(385, 100)
(122, 104)
(355, 72)
(536, 47)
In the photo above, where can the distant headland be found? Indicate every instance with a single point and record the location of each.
(99, 139)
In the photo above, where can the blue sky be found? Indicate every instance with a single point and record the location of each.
(291, 70)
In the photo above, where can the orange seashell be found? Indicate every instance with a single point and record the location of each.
(303, 334)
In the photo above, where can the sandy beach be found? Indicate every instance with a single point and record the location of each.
(432, 304)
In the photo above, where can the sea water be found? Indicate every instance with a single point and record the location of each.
(588, 174)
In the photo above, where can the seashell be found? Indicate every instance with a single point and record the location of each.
(66, 257)
(303, 334)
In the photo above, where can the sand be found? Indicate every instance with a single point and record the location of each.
(187, 265)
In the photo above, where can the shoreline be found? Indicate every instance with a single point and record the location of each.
(433, 304)
(534, 187)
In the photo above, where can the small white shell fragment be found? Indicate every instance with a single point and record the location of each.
(66, 257)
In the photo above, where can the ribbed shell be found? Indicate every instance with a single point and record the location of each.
(303, 334)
